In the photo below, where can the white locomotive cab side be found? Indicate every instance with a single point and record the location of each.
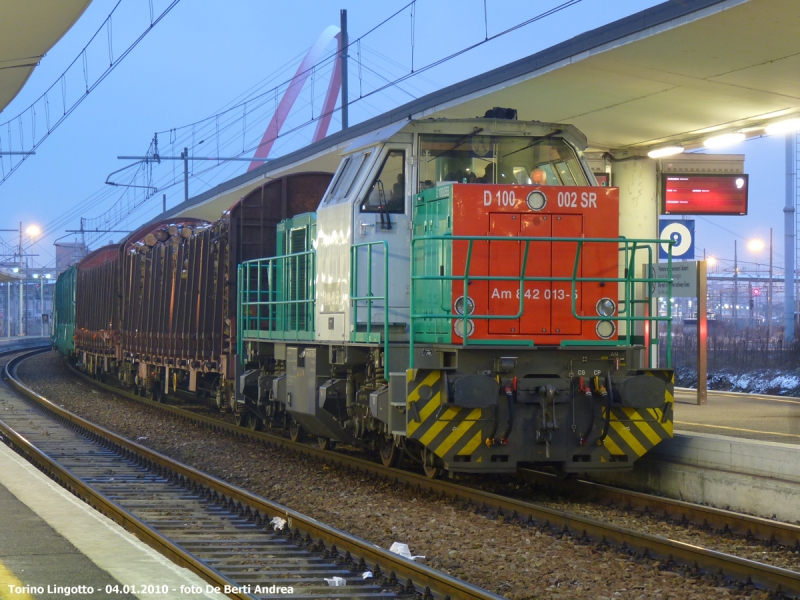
(367, 205)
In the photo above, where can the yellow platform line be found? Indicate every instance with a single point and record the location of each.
(737, 429)
(7, 578)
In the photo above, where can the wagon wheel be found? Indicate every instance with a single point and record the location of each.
(242, 418)
(255, 423)
(325, 443)
(157, 394)
(431, 464)
(296, 432)
(391, 453)
(219, 399)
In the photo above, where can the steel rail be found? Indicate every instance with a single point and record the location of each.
(714, 562)
(721, 520)
(409, 576)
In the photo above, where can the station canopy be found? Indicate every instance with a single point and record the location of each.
(8, 276)
(28, 29)
(678, 72)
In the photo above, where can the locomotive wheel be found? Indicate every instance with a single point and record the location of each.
(242, 418)
(391, 454)
(296, 432)
(325, 443)
(255, 423)
(562, 474)
(431, 464)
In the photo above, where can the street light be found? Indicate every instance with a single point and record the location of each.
(33, 231)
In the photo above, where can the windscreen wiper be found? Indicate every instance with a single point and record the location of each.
(533, 142)
(459, 141)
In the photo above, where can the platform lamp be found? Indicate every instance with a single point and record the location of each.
(32, 231)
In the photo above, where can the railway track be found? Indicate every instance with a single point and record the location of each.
(716, 519)
(223, 533)
(714, 563)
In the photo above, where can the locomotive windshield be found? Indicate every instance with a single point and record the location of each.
(498, 159)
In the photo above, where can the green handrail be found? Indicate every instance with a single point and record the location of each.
(271, 283)
(371, 297)
(629, 247)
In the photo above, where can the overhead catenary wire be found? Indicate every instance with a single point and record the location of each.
(217, 125)
(67, 111)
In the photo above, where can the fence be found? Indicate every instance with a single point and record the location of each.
(741, 352)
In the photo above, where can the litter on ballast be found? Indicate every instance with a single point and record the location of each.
(277, 523)
(336, 581)
(402, 550)
(366, 575)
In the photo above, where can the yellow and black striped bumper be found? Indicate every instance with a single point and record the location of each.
(445, 430)
(457, 434)
(632, 432)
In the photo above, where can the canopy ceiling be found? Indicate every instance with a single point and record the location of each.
(28, 29)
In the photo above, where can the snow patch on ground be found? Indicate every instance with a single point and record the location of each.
(780, 382)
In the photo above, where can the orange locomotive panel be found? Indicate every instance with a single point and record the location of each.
(503, 211)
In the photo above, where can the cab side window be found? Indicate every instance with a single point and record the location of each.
(388, 190)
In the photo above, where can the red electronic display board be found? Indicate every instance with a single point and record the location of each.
(686, 194)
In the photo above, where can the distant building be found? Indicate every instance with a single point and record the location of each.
(68, 254)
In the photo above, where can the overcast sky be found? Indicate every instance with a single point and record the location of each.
(207, 56)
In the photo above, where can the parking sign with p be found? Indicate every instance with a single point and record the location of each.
(679, 232)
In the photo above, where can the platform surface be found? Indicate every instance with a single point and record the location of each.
(26, 341)
(48, 537)
(750, 416)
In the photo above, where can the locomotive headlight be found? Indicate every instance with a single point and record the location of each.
(605, 329)
(458, 327)
(536, 200)
(606, 307)
(459, 305)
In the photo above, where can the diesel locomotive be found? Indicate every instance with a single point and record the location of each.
(457, 292)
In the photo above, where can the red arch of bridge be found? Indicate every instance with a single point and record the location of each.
(293, 91)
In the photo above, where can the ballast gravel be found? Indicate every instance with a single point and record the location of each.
(514, 561)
